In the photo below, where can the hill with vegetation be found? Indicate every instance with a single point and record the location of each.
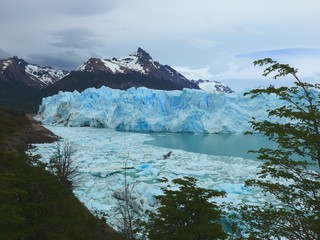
(34, 204)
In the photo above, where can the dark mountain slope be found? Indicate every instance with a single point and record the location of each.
(22, 84)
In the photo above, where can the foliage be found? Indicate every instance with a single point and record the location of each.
(11, 123)
(289, 173)
(62, 164)
(186, 213)
(33, 203)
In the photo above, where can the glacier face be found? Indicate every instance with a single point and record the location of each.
(147, 110)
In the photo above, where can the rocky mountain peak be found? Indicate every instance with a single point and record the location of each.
(92, 65)
(19, 62)
(142, 55)
(139, 63)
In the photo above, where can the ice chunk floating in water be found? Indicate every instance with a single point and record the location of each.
(147, 110)
(102, 154)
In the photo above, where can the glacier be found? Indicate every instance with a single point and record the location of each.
(147, 110)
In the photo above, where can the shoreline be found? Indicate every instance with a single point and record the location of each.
(38, 133)
(25, 132)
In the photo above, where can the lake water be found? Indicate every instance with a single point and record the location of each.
(213, 144)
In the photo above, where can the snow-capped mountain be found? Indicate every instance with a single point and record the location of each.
(16, 69)
(47, 75)
(137, 62)
(136, 70)
(22, 84)
(212, 86)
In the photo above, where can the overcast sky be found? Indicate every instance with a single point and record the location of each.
(211, 39)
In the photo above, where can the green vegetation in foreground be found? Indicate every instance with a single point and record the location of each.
(33, 203)
(11, 123)
(186, 213)
(290, 173)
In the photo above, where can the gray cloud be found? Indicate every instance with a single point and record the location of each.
(79, 38)
(204, 34)
(84, 8)
(4, 54)
(68, 60)
(34, 8)
(288, 52)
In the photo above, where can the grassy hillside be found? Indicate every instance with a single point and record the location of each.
(11, 123)
(33, 203)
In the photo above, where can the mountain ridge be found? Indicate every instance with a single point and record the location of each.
(23, 85)
(139, 62)
(31, 74)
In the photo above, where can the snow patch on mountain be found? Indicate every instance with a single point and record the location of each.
(131, 62)
(40, 77)
(114, 67)
(5, 64)
(213, 86)
(47, 75)
(146, 110)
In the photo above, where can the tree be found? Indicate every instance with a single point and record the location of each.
(186, 213)
(129, 215)
(290, 172)
(62, 163)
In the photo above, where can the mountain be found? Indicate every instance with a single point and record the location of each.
(32, 75)
(212, 86)
(136, 70)
(21, 83)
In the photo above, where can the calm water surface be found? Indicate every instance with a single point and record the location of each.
(213, 144)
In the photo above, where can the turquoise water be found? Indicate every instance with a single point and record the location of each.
(213, 144)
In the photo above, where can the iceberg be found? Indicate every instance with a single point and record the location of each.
(147, 110)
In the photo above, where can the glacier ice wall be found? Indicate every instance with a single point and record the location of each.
(147, 110)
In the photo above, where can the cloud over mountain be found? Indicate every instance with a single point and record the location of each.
(191, 34)
(77, 37)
